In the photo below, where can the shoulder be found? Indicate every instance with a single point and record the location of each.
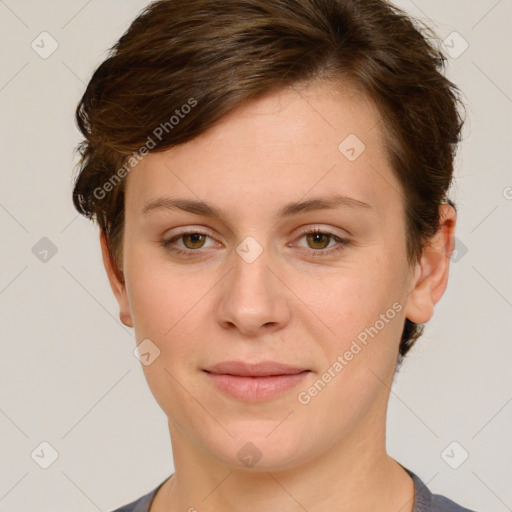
(443, 504)
(141, 504)
(425, 501)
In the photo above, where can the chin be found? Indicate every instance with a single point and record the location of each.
(261, 447)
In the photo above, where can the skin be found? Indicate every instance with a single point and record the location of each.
(287, 305)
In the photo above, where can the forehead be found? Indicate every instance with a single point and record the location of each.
(303, 140)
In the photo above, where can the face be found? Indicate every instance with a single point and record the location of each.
(257, 283)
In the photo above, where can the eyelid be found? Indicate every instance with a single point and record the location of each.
(322, 229)
(194, 228)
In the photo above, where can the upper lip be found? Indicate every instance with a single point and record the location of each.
(261, 369)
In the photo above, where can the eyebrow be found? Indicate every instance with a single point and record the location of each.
(203, 208)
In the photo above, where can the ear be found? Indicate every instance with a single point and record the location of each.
(431, 273)
(116, 283)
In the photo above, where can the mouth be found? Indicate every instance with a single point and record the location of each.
(255, 382)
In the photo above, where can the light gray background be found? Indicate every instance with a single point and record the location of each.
(68, 374)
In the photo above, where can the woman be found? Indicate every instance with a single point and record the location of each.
(270, 181)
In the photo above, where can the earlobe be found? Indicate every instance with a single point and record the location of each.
(431, 273)
(116, 283)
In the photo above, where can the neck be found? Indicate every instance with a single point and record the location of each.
(354, 474)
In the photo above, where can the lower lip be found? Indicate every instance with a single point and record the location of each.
(255, 389)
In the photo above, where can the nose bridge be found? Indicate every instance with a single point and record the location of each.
(252, 295)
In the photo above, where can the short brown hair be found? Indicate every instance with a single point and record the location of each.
(218, 55)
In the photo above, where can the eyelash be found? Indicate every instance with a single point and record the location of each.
(342, 242)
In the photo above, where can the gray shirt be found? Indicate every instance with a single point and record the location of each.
(424, 500)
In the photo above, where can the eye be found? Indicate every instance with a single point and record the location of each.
(192, 240)
(318, 240)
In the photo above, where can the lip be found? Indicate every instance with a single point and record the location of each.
(261, 369)
(255, 382)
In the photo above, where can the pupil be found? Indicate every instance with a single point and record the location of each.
(194, 238)
(318, 238)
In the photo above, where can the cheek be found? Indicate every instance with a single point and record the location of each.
(169, 316)
(150, 302)
(364, 317)
(351, 299)
(163, 312)
(167, 306)
(159, 296)
(359, 357)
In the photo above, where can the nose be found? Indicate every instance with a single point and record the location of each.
(253, 297)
